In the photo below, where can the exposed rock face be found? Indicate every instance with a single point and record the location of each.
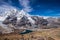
(10, 20)
(25, 21)
(39, 21)
(53, 22)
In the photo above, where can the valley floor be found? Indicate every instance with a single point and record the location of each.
(43, 34)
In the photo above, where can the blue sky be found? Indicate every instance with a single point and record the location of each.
(39, 7)
(46, 7)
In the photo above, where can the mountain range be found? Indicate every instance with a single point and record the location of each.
(14, 19)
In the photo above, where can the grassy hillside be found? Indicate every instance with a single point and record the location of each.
(43, 34)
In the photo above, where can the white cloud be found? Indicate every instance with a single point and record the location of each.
(25, 4)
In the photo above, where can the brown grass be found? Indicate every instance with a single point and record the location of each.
(44, 34)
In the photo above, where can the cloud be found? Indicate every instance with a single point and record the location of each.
(6, 8)
(25, 5)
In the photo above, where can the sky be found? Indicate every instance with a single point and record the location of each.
(35, 7)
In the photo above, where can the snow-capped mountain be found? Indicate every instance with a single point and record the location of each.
(23, 13)
(4, 13)
(12, 13)
(6, 10)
